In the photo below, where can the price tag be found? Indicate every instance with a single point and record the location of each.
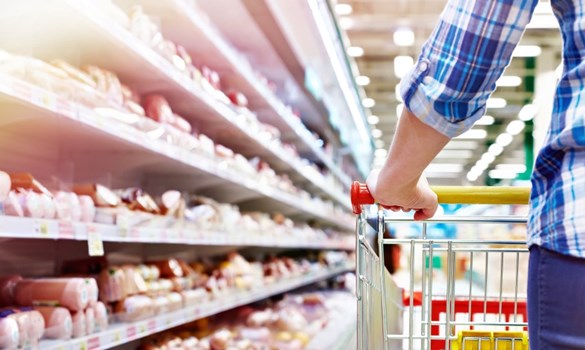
(93, 343)
(83, 345)
(117, 336)
(42, 228)
(151, 326)
(131, 332)
(95, 245)
(66, 229)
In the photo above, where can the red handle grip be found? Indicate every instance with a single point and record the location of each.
(360, 195)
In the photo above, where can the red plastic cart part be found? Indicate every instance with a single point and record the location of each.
(360, 195)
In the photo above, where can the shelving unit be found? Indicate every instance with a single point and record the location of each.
(144, 69)
(34, 111)
(119, 334)
(15, 227)
(70, 143)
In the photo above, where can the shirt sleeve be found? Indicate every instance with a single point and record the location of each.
(459, 64)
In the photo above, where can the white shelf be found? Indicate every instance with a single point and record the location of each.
(121, 333)
(187, 26)
(17, 227)
(80, 22)
(34, 112)
(340, 331)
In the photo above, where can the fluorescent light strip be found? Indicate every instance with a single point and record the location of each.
(477, 134)
(497, 174)
(527, 51)
(517, 168)
(368, 102)
(402, 64)
(455, 154)
(362, 80)
(404, 37)
(444, 168)
(496, 102)
(486, 120)
(343, 9)
(515, 127)
(455, 144)
(355, 51)
(373, 119)
(509, 81)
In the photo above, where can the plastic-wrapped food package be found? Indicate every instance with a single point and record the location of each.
(7, 285)
(5, 185)
(12, 206)
(89, 320)
(143, 27)
(31, 325)
(68, 292)
(101, 195)
(112, 284)
(79, 324)
(58, 322)
(101, 317)
(9, 333)
(135, 308)
(88, 210)
(157, 108)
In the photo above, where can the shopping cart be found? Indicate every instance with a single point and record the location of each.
(484, 310)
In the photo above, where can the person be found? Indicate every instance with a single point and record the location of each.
(446, 93)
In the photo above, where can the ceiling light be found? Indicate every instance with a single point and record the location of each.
(441, 174)
(482, 165)
(346, 23)
(379, 144)
(495, 149)
(455, 154)
(404, 37)
(444, 168)
(381, 152)
(517, 168)
(455, 144)
(399, 110)
(488, 158)
(515, 127)
(355, 51)
(496, 102)
(343, 9)
(528, 112)
(362, 80)
(477, 134)
(539, 21)
(486, 120)
(373, 119)
(472, 177)
(398, 94)
(402, 64)
(368, 102)
(509, 81)
(504, 139)
(526, 51)
(498, 174)
(377, 133)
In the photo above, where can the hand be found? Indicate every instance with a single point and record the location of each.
(392, 195)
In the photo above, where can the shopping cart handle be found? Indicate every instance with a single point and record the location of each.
(360, 195)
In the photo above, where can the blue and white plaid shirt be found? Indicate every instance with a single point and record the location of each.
(456, 73)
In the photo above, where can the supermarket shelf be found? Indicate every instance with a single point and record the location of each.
(340, 332)
(147, 71)
(46, 120)
(17, 227)
(118, 334)
(184, 24)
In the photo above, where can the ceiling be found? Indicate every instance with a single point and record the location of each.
(371, 25)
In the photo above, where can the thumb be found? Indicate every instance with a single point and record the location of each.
(426, 213)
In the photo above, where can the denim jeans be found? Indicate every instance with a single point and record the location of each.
(556, 301)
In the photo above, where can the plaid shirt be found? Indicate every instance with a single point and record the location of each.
(456, 73)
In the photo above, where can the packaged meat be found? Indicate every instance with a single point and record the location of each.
(67, 206)
(101, 317)
(157, 108)
(88, 210)
(181, 123)
(5, 185)
(58, 322)
(79, 324)
(134, 308)
(92, 291)
(31, 325)
(9, 333)
(238, 99)
(89, 320)
(49, 207)
(134, 281)
(101, 195)
(212, 77)
(28, 182)
(74, 73)
(31, 202)
(168, 268)
(112, 284)
(7, 284)
(107, 83)
(143, 27)
(135, 108)
(68, 292)
(171, 203)
(12, 206)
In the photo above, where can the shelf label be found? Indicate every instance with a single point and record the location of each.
(131, 332)
(151, 326)
(42, 228)
(93, 343)
(83, 345)
(65, 229)
(95, 245)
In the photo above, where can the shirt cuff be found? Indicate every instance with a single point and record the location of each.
(420, 91)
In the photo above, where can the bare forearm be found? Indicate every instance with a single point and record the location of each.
(414, 146)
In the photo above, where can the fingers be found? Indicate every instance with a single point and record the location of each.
(424, 214)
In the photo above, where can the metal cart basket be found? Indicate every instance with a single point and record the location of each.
(476, 298)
